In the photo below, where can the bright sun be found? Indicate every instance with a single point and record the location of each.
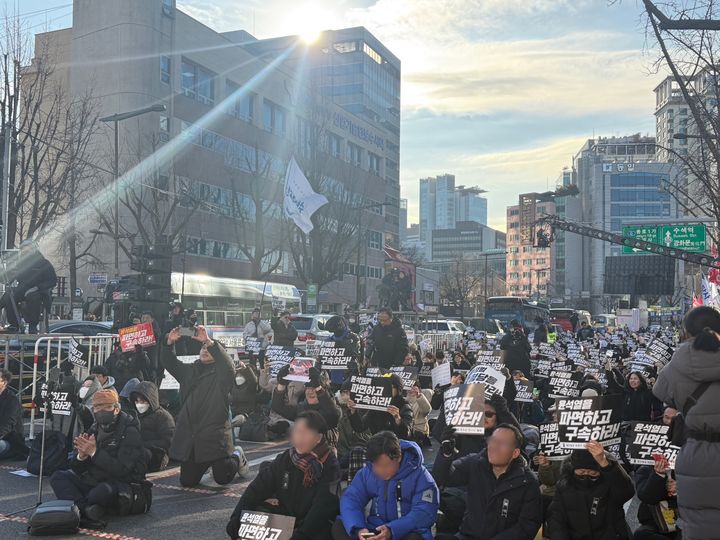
(309, 21)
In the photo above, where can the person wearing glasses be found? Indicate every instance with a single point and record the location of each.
(503, 494)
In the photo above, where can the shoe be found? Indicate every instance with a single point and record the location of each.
(94, 512)
(280, 427)
(243, 466)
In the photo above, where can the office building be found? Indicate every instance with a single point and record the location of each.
(671, 117)
(470, 206)
(529, 270)
(568, 247)
(403, 224)
(467, 239)
(221, 137)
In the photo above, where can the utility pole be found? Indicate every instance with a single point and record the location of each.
(6, 182)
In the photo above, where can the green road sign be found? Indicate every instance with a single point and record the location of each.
(689, 237)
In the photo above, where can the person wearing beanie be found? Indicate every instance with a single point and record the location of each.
(107, 459)
(589, 498)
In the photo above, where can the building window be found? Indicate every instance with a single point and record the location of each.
(354, 154)
(274, 118)
(198, 83)
(374, 163)
(164, 124)
(240, 106)
(334, 143)
(374, 240)
(372, 53)
(167, 7)
(165, 69)
(345, 47)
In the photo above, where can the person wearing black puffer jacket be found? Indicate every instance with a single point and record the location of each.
(653, 489)
(398, 418)
(387, 343)
(639, 404)
(589, 498)
(157, 426)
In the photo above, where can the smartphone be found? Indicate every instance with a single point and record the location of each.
(187, 332)
(368, 534)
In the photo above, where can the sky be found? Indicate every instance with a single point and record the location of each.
(500, 93)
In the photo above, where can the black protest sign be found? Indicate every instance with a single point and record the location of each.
(489, 358)
(524, 390)
(547, 350)
(374, 372)
(590, 419)
(550, 443)
(334, 357)
(465, 408)
(647, 440)
(641, 358)
(78, 354)
(276, 357)
(564, 384)
(261, 526)
(60, 402)
(493, 380)
(543, 367)
(253, 345)
(408, 374)
(659, 352)
(373, 393)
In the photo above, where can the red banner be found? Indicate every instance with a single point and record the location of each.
(139, 334)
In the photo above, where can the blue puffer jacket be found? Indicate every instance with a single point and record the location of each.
(413, 485)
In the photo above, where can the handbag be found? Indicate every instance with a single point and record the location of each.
(54, 518)
(677, 434)
(665, 517)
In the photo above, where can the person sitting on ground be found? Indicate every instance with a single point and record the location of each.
(398, 418)
(203, 437)
(504, 493)
(243, 396)
(12, 431)
(301, 482)
(83, 405)
(403, 494)
(157, 426)
(107, 382)
(348, 438)
(129, 365)
(421, 409)
(317, 398)
(126, 404)
(108, 458)
(460, 362)
(589, 499)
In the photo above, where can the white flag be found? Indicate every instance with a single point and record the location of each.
(705, 291)
(301, 202)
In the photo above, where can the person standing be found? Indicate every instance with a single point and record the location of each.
(586, 333)
(257, 328)
(203, 437)
(690, 383)
(284, 332)
(541, 332)
(387, 343)
(516, 349)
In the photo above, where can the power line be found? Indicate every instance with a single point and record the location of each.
(38, 12)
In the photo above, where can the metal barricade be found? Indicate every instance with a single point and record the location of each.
(435, 341)
(54, 349)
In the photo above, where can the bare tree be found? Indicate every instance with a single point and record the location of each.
(460, 286)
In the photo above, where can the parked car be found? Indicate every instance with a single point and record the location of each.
(441, 326)
(310, 327)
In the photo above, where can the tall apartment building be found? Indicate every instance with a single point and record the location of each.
(671, 116)
(566, 245)
(529, 270)
(442, 205)
(132, 54)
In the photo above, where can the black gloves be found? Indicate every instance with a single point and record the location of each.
(284, 372)
(447, 446)
(233, 527)
(314, 374)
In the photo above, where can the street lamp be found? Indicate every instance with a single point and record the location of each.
(360, 246)
(115, 119)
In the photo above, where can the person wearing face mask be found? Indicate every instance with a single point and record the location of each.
(203, 437)
(301, 482)
(83, 407)
(589, 498)
(421, 409)
(107, 459)
(243, 396)
(317, 398)
(12, 438)
(157, 426)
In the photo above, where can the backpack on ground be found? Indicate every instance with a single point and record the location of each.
(136, 498)
(55, 456)
(54, 518)
(255, 427)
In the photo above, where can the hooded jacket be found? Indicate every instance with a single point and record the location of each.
(326, 406)
(697, 468)
(377, 421)
(84, 408)
(406, 503)
(504, 508)
(243, 398)
(157, 426)
(388, 345)
(594, 512)
(202, 430)
(119, 456)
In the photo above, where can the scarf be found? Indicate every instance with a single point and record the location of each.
(311, 464)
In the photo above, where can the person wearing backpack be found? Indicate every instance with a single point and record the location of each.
(108, 459)
(12, 438)
(690, 383)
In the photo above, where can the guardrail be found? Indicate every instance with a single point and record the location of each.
(434, 342)
(99, 347)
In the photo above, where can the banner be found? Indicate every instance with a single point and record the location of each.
(139, 334)
(489, 358)
(261, 526)
(78, 355)
(524, 390)
(300, 369)
(659, 352)
(300, 202)
(171, 383)
(493, 380)
(231, 340)
(590, 419)
(441, 375)
(550, 442)
(253, 345)
(60, 402)
(647, 440)
(465, 408)
(334, 357)
(277, 356)
(408, 374)
(547, 350)
(373, 393)
(564, 384)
